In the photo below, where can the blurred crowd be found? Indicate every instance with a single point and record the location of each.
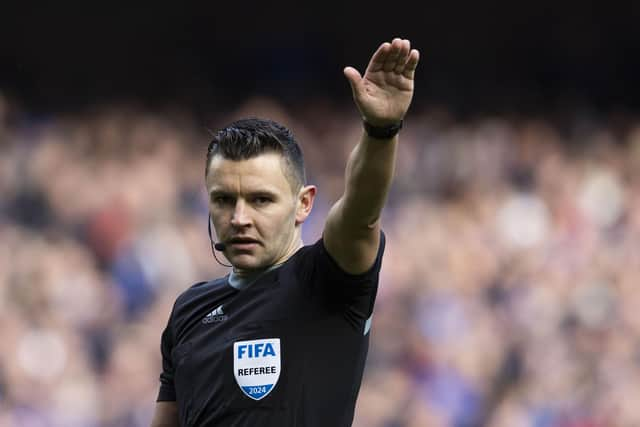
(507, 295)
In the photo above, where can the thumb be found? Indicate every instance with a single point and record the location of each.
(354, 78)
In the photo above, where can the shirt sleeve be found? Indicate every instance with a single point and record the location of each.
(355, 294)
(167, 389)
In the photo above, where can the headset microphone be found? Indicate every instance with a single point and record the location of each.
(216, 246)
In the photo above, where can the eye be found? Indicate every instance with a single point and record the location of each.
(261, 200)
(222, 200)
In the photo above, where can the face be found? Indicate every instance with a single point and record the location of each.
(255, 211)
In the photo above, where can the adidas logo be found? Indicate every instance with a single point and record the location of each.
(216, 315)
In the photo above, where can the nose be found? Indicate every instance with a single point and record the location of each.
(240, 218)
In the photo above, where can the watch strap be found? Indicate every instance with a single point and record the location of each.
(382, 132)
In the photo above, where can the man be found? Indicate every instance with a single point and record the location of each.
(282, 340)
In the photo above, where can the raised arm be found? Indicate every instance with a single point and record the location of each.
(382, 95)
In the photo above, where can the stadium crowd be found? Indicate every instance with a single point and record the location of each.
(508, 292)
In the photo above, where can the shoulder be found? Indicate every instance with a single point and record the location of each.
(316, 257)
(198, 291)
(191, 301)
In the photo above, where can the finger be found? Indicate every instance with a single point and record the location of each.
(394, 53)
(379, 57)
(410, 68)
(405, 50)
(354, 78)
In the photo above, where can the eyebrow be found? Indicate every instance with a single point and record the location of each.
(261, 192)
(215, 192)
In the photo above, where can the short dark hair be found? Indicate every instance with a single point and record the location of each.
(247, 138)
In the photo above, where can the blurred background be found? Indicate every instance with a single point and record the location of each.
(508, 291)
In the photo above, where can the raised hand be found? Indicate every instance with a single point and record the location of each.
(384, 93)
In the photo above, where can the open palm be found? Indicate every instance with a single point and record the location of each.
(384, 94)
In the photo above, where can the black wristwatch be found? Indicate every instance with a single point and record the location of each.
(382, 132)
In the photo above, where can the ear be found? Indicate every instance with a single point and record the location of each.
(305, 203)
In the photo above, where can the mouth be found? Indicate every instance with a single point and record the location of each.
(243, 243)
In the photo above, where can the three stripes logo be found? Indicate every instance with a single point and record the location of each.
(216, 315)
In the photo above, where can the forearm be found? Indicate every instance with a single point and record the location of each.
(369, 174)
(382, 95)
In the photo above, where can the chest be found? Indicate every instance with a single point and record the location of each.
(242, 349)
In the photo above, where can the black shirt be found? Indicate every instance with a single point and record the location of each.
(296, 340)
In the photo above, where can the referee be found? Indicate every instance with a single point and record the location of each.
(282, 340)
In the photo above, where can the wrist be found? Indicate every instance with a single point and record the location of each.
(382, 132)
